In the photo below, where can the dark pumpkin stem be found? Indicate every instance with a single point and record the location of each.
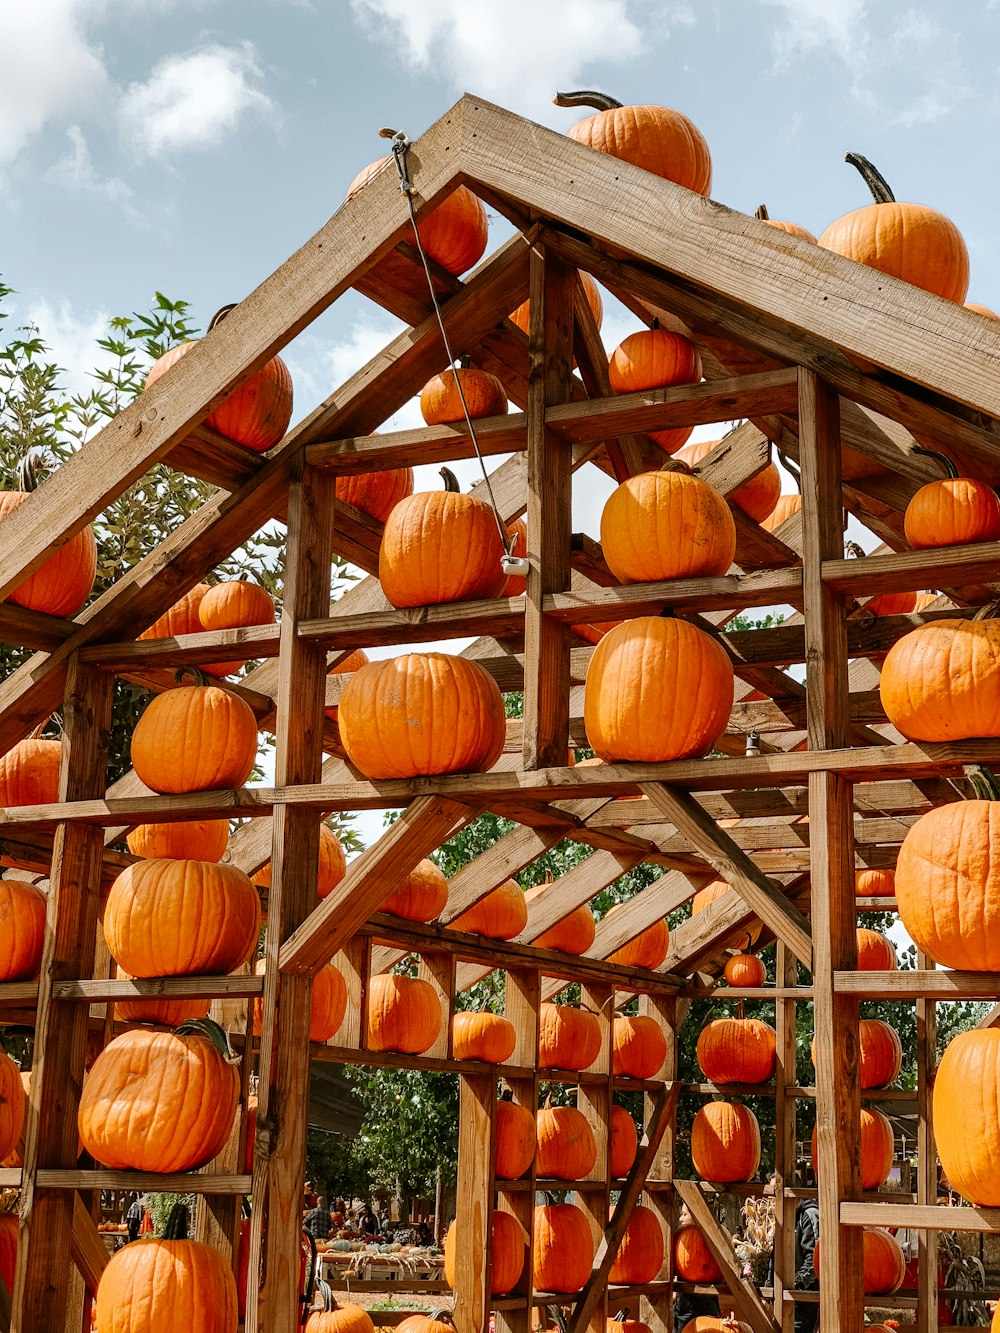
(667, 613)
(676, 465)
(465, 362)
(853, 551)
(195, 675)
(207, 1027)
(740, 1009)
(450, 481)
(984, 782)
(873, 178)
(761, 213)
(791, 468)
(587, 97)
(220, 315)
(654, 323)
(991, 611)
(177, 1223)
(950, 470)
(29, 472)
(442, 1317)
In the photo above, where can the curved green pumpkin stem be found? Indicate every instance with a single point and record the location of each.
(220, 315)
(984, 782)
(177, 1223)
(193, 675)
(208, 1027)
(450, 481)
(950, 470)
(29, 472)
(761, 213)
(587, 97)
(873, 178)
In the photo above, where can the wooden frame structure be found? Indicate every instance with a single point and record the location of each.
(832, 363)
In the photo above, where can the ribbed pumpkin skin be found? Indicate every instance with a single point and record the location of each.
(907, 241)
(158, 1101)
(194, 738)
(967, 1115)
(875, 883)
(758, 497)
(568, 1038)
(376, 493)
(440, 402)
(29, 773)
(515, 1139)
(791, 228)
(725, 1142)
(234, 605)
(177, 918)
(345, 1319)
(736, 1050)
(883, 1261)
(327, 1006)
(332, 864)
(256, 414)
(745, 969)
(61, 585)
(948, 885)
(8, 1248)
(785, 507)
(648, 949)
(875, 952)
(640, 1255)
(508, 1253)
(573, 934)
(421, 896)
(566, 1146)
(421, 714)
(154, 1285)
(952, 512)
(655, 359)
(667, 525)
(655, 138)
(404, 1014)
(876, 1148)
(563, 1248)
(892, 604)
(440, 547)
(693, 1259)
(656, 690)
(624, 1142)
(184, 617)
(501, 915)
(201, 840)
(881, 1053)
(22, 929)
(941, 682)
(639, 1048)
(454, 233)
(486, 1037)
(12, 1105)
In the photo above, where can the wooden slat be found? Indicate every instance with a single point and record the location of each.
(89, 1251)
(474, 1202)
(927, 1164)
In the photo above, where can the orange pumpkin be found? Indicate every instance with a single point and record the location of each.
(745, 970)
(482, 1036)
(64, 580)
(22, 929)
(501, 915)
(256, 414)
(327, 1006)
(178, 918)
(705, 1323)
(199, 840)
(184, 617)
(454, 233)
(877, 882)
(875, 952)
(652, 137)
(693, 1260)
(420, 714)
(404, 1014)
(736, 1050)
(657, 689)
(195, 738)
(892, 603)
(508, 1253)
(515, 1139)
(160, 1101)
(9, 1223)
(883, 1262)
(574, 934)
(624, 1142)
(567, 1149)
(29, 773)
(441, 397)
(954, 512)
(563, 1248)
(640, 1254)
(908, 241)
(351, 663)
(422, 894)
(234, 605)
(876, 1150)
(966, 1112)
(648, 949)
(376, 493)
(725, 1142)
(331, 869)
(881, 1053)
(517, 544)
(790, 228)
(440, 546)
(639, 1047)
(154, 1009)
(568, 1038)
(656, 358)
(667, 525)
(339, 1319)
(522, 315)
(785, 508)
(757, 497)
(940, 681)
(12, 1105)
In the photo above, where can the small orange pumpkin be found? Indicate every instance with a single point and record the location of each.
(515, 1139)
(184, 617)
(648, 949)
(790, 228)
(877, 882)
(639, 1047)
(736, 1050)
(725, 1142)
(482, 1036)
(327, 1006)
(29, 773)
(954, 512)
(574, 934)
(63, 582)
(640, 1254)
(655, 138)
(667, 525)
(336, 1318)
(421, 896)
(454, 233)
(693, 1260)
(234, 605)
(745, 970)
(568, 1038)
(22, 929)
(441, 397)
(892, 603)
(501, 915)
(656, 358)
(875, 952)
(404, 1014)
(757, 497)
(195, 738)
(376, 493)
(199, 840)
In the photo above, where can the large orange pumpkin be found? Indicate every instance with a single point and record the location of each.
(907, 241)
(29, 773)
(892, 604)
(693, 1260)
(22, 929)
(195, 738)
(177, 918)
(640, 1254)
(725, 1142)
(404, 1014)
(63, 582)
(376, 493)
(482, 1036)
(454, 233)
(737, 1050)
(883, 1262)
(199, 840)
(745, 970)
(875, 952)
(501, 915)
(568, 1038)
(508, 1253)
(952, 512)
(160, 1101)
(12, 1105)
(880, 1053)
(441, 399)
(639, 1047)
(966, 1113)
(563, 1248)
(657, 689)
(420, 714)
(656, 358)
(941, 682)
(422, 895)
(234, 605)
(757, 497)
(624, 1142)
(652, 137)
(167, 1282)
(567, 1149)
(332, 866)
(875, 883)
(440, 546)
(515, 1139)
(876, 1148)
(667, 525)
(574, 934)
(327, 1006)
(647, 949)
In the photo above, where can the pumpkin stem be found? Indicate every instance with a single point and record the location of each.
(207, 1027)
(791, 468)
(220, 315)
(465, 363)
(761, 213)
(984, 782)
(195, 674)
(988, 612)
(442, 1317)
(29, 472)
(853, 551)
(450, 480)
(177, 1223)
(654, 323)
(874, 179)
(950, 470)
(740, 1010)
(587, 97)
(676, 465)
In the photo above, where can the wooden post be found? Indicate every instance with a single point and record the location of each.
(785, 975)
(550, 472)
(927, 1163)
(521, 1004)
(594, 1100)
(474, 1202)
(41, 1283)
(354, 961)
(658, 1310)
(831, 856)
(283, 1091)
(438, 970)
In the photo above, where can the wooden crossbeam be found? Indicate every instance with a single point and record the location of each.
(713, 929)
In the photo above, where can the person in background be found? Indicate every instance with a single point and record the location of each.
(687, 1305)
(133, 1218)
(424, 1235)
(318, 1221)
(806, 1236)
(367, 1225)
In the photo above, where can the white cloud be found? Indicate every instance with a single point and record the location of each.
(193, 101)
(517, 51)
(76, 170)
(813, 25)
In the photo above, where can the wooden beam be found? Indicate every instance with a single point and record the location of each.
(474, 1202)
